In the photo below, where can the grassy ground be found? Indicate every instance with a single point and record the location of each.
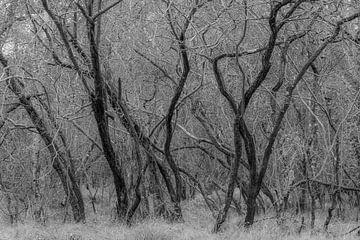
(197, 226)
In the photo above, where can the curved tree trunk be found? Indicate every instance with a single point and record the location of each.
(233, 176)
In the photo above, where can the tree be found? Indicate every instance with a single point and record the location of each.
(241, 132)
(62, 160)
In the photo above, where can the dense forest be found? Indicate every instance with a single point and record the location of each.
(137, 107)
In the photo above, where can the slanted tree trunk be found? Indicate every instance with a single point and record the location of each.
(38, 211)
(233, 175)
(99, 106)
(140, 173)
(156, 197)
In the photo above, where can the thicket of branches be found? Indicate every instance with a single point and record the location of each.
(158, 102)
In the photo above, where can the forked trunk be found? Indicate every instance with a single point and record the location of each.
(233, 177)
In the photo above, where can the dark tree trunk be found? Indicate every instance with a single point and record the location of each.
(312, 206)
(302, 199)
(38, 212)
(73, 192)
(250, 210)
(119, 181)
(330, 210)
(157, 202)
(98, 101)
(176, 204)
(251, 203)
(137, 194)
(233, 175)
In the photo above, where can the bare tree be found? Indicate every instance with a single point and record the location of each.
(61, 159)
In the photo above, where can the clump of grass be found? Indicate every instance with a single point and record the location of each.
(151, 230)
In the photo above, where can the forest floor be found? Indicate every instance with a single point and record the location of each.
(197, 226)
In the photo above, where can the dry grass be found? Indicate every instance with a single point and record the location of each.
(158, 230)
(197, 227)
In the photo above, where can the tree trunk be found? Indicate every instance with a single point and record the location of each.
(251, 204)
(141, 172)
(38, 211)
(156, 198)
(335, 195)
(118, 178)
(302, 199)
(233, 176)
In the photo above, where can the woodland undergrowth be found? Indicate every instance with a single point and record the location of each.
(197, 225)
